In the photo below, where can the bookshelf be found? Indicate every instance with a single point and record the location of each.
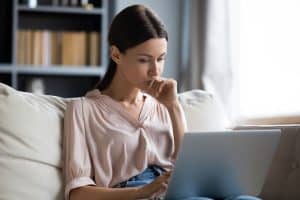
(60, 9)
(59, 43)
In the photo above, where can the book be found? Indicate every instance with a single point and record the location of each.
(21, 47)
(74, 48)
(46, 48)
(36, 46)
(28, 37)
(64, 2)
(55, 2)
(66, 48)
(74, 3)
(56, 48)
(94, 49)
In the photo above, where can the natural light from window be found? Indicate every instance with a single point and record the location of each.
(269, 58)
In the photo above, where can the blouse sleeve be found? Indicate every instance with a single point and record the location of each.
(77, 162)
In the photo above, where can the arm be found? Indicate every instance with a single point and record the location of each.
(98, 193)
(165, 91)
(145, 192)
(178, 123)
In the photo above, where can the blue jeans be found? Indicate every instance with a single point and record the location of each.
(152, 172)
(241, 197)
(146, 177)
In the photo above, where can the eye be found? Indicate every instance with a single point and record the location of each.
(161, 59)
(143, 60)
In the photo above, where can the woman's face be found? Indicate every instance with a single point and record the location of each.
(143, 63)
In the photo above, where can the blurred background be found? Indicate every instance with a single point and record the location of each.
(245, 52)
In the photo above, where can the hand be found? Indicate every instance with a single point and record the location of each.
(154, 189)
(164, 90)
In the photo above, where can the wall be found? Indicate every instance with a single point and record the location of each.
(170, 13)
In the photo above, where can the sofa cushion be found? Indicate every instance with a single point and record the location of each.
(203, 111)
(283, 179)
(31, 133)
(30, 145)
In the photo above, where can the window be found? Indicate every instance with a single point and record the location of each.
(268, 57)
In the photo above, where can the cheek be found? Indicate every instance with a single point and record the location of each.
(160, 67)
(135, 72)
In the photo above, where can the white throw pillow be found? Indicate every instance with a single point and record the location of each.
(30, 145)
(203, 112)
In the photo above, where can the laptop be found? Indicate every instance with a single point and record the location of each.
(223, 164)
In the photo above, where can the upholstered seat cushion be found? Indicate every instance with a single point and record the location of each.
(31, 138)
(30, 145)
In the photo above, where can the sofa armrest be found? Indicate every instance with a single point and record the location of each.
(283, 179)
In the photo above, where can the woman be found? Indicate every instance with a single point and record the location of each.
(122, 138)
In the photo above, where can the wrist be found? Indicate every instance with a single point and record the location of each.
(173, 105)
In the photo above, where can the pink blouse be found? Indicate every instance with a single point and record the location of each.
(105, 145)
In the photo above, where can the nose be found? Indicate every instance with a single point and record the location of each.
(154, 69)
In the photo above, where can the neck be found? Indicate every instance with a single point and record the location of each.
(122, 91)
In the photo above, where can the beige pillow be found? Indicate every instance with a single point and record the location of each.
(30, 145)
(203, 112)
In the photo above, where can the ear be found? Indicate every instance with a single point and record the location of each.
(115, 54)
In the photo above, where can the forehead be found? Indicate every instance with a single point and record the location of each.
(154, 47)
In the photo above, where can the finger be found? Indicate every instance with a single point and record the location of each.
(163, 179)
(153, 86)
(160, 186)
(154, 89)
(167, 173)
(157, 84)
(164, 186)
(150, 83)
(162, 189)
(160, 181)
(150, 89)
(161, 86)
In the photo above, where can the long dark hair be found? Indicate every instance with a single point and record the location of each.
(131, 27)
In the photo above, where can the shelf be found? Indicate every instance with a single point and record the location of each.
(62, 71)
(72, 19)
(61, 9)
(63, 86)
(5, 69)
(59, 79)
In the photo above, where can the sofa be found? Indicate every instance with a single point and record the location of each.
(31, 129)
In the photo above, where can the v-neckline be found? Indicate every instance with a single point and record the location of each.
(126, 113)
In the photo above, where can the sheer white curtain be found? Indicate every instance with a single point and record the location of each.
(210, 53)
(246, 53)
(217, 69)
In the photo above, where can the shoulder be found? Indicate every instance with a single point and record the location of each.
(92, 102)
(74, 106)
(93, 94)
(82, 104)
(89, 97)
(78, 109)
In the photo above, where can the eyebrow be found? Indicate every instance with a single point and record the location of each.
(147, 55)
